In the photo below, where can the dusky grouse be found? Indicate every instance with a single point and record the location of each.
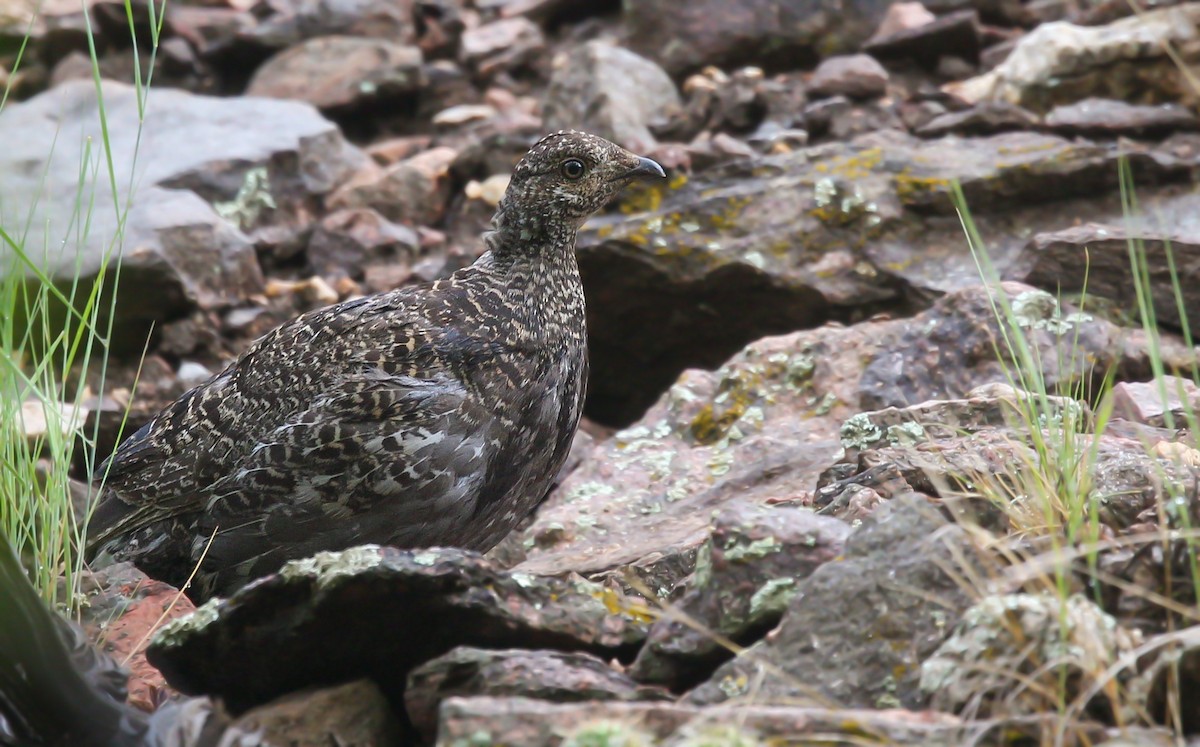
(432, 415)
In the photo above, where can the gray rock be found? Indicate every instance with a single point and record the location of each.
(354, 714)
(537, 723)
(858, 629)
(692, 270)
(350, 242)
(1155, 402)
(768, 33)
(377, 612)
(765, 425)
(954, 34)
(544, 675)
(212, 174)
(289, 22)
(856, 76)
(1018, 654)
(506, 44)
(983, 119)
(340, 72)
(1061, 63)
(1094, 116)
(612, 92)
(746, 574)
(1095, 256)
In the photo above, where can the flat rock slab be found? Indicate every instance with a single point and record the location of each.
(536, 723)
(377, 612)
(746, 574)
(206, 175)
(859, 628)
(764, 426)
(545, 675)
(693, 269)
(1095, 257)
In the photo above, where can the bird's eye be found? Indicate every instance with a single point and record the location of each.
(573, 168)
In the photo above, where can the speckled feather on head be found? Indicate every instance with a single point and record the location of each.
(435, 414)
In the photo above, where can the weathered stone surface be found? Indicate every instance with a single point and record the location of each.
(1017, 654)
(355, 714)
(211, 174)
(902, 16)
(685, 37)
(377, 612)
(1155, 402)
(1060, 62)
(1096, 257)
(743, 101)
(746, 574)
(695, 269)
(839, 118)
(544, 675)
(859, 628)
(1135, 480)
(340, 72)
(1107, 117)
(536, 723)
(955, 34)
(611, 92)
(764, 426)
(501, 45)
(350, 242)
(124, 609)
(856, 76)
(1137, 486)
(987, 118)
(412, 191)
(289, 22)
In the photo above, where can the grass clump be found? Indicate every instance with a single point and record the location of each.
(1060, 537)
(56, 320)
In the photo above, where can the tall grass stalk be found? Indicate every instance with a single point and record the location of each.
(54, 339)
(1056, 485)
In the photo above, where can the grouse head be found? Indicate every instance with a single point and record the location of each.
(568, 176)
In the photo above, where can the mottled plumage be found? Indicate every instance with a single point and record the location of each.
(431, 415)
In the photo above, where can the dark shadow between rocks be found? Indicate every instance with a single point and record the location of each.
(646, 327)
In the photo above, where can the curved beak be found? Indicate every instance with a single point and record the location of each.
(645, 167)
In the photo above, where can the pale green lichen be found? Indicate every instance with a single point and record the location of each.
(734, 687)
(759, 548)
(722, 459)
(253, 197)
(178, 630)
(772, 597)
(608, 734)
(800, 369)
(480, 738)
(1037, 309)
(859, 432)
(702, 575)
(905, 434)
(524, 580)
(723, 735)
(327, 568)
(679, 490)
(589, 490)
(888, 698)
(425, 558)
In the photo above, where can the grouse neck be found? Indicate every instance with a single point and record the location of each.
(539, 237)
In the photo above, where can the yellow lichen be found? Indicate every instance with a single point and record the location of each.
(911, 188)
